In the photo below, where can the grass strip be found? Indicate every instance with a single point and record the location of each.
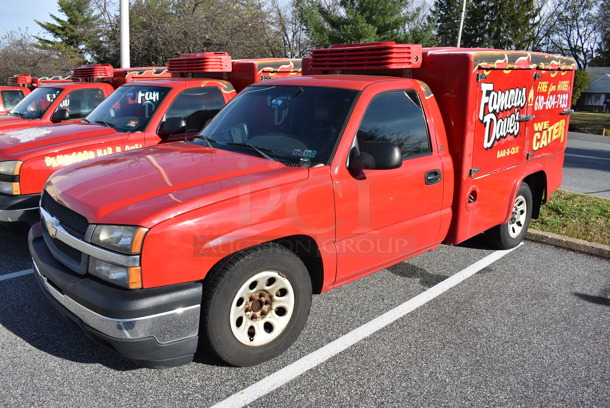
(576, 215)
(590, 122)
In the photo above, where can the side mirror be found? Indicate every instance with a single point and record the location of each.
(171, 126)
(60, 115)
(376, 155)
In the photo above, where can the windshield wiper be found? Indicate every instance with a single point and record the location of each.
(207, 140)
(18, 114)
(259, 150)
(107, 124)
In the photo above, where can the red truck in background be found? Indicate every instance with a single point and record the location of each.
(138, 114)
(379, 152)
(11, 96)
(20, 86)
(61, 99)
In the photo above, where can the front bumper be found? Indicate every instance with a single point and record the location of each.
(19, 209)
(155, 327)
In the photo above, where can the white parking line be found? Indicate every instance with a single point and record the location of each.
(15, 274)
(290, 372)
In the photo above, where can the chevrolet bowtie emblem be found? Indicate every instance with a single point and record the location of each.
(52, 223)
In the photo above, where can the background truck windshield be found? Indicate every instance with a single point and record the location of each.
(36, 104)
(129, 108)
(298, 126)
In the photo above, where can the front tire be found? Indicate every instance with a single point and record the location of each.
(255, 305)
(512, 233)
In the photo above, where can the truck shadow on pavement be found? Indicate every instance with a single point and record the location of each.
(425, 278)
(14, 254)
(587, 159)
(26, 313)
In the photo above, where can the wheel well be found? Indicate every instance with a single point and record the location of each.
(537, 184)
(307, 249)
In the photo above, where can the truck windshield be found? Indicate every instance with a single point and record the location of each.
(129, 108)
(36, 104)
(296, 125)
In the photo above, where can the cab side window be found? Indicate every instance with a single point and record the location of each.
(81, 102)
(396, 117)
(11, 98)
(197, 106)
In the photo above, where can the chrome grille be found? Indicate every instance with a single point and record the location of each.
(67, 250)
(73, 222)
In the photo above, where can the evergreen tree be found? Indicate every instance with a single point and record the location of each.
(581, 82)
(354, 21)
(504, 24)
(446, 16)
(71, 34)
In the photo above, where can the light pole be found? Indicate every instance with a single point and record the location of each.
(461, 23)
(125, 57)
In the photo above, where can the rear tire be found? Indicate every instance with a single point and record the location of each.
(512, 233)
(255, 305)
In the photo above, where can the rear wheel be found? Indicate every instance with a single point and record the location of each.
(255, 305)
(511, 234)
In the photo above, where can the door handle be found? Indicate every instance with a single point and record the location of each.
(432, 177)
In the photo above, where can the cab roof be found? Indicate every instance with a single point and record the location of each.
(357, 82)
(171, 82)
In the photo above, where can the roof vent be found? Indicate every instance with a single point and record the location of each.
(22, 79)
(93, 71)
(200, 62)
(368, 56)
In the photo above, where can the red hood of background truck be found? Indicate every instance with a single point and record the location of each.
(151, 185)
(26, 143)
(8, 122)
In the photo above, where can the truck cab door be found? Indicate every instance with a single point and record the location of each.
(194, 107)
(78, 103)
(388, 215)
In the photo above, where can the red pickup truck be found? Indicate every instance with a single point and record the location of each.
(378, 153)
(138, 114)
(58, 99)
(11, 96)
(20, 86)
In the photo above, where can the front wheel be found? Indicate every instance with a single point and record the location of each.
(255, 305)
(511, 234)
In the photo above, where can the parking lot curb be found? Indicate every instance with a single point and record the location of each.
(572, 244)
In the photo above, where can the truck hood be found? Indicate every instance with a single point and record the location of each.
(151, 185)
(26, 143)
(8, 120)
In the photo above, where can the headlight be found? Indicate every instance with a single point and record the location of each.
(125, 239)
(10, 187)
(10, 168)
(128, 277)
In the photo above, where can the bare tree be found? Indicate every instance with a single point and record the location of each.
(288, 28)
(164, 29)
(576, 33)
(20, 54)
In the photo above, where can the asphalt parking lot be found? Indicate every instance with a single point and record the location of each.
(529, 329)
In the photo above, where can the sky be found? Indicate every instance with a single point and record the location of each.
(21, 14)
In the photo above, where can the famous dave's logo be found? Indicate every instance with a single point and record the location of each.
(500, 112)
